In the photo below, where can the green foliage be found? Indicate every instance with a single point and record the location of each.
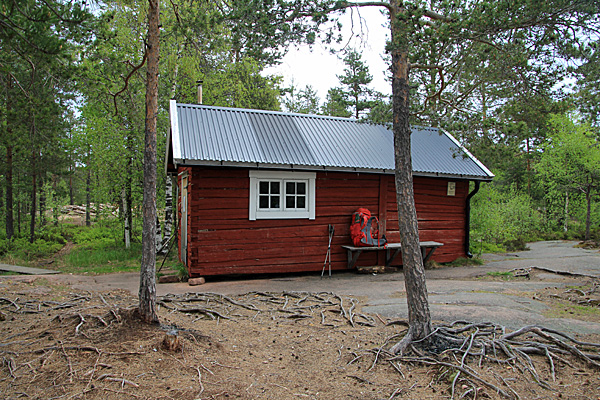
(335, 104)
(102, 234)
(303, 101)
(98, 248)
(355, 92)
(504, 275)
(21, 250)
(381, 111)
(102, 257)
(241, 85)
(182, 272)
(570, 166)
(498, 273)
(588, 74)
(501, 217)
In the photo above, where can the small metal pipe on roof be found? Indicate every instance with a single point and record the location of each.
(199, 83)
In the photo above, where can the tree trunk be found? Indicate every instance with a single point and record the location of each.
(147, 293)
(19, 216)
(88, 189)
(33, 197)
(54, 202)
(42, 206)
(127, 226)
(129, 179)
(566, 222)
(71, 185)
(10, 229)
(588, 215)
(158, 238)
(419, 317)
(168, 214)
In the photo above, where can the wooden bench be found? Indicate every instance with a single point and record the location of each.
(354, 252)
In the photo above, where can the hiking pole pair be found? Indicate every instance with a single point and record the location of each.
(328, 254)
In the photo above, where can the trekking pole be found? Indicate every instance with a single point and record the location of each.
(331, 231)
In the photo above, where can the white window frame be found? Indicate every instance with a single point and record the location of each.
(282, 213)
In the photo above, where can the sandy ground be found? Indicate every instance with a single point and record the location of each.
(467, 293)
(295, 337)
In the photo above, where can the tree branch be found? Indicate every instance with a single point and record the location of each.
(346, 4)
(19, 85)
(60, 17)
(435, 16)
(135, 68)
(12, 26)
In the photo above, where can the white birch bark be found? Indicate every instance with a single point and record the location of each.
(127, 228)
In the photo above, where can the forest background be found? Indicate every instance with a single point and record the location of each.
(72, 114)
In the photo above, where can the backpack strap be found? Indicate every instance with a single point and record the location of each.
(367, 238)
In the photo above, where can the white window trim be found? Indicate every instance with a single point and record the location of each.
(256, 213)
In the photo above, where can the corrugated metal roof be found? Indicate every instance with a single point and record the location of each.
(230, 136)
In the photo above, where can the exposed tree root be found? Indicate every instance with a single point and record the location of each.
(454, 345)
(468, 359)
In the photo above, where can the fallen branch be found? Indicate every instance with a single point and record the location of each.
(566, 273)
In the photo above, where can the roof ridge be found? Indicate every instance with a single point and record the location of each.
(253, 110)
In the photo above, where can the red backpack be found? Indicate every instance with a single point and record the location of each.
(364, 229)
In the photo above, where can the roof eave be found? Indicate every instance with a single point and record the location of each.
(258, 165)
(175, 134)
(489, 173)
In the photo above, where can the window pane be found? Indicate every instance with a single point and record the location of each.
(263, 187)
(274, 187)
(274, 201)
(289, 202)
(301, 187)
(301, 201)
(263, 202)
(290, 188)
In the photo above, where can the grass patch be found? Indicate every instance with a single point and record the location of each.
(464, 262)
(482, 247)
(104, 259)
(500, 273)
(569, 310)
(20, 252)
(504, 275)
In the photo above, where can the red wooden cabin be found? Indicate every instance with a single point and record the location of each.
(258, 189)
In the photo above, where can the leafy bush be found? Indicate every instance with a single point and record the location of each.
(504, 219)
(182, 272)
(21, 249)
(99, 235)
(53, 235)
(481, 247)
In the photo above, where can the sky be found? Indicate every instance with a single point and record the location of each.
(319, 68)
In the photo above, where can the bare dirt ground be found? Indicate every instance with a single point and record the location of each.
(59, 343)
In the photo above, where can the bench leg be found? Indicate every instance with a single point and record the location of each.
(426, 255)
(353, 257)
(388, 259)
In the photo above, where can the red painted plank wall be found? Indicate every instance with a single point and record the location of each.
(222, 239)
(441, 217)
